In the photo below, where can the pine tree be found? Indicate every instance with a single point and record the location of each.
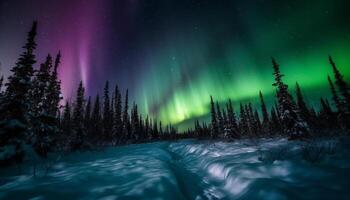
(15, 105)
(220, 119)
(232, 122)
(78, 120)
(342, 85)
(335, 97)
(43, 121)
(97, 124)
(251, 120)
(275, 122)
(327, 117)
(66, 127)
(117, 124)
(265, 125)
(243, 123)
(155, 133)
(107, 126)
(147, 128)
(225, 124)
(292, 124)
(304, 110)
(214, 122)
(125, 133)
(87, 117)
(54, 96)
(134, 123)
(257, 123)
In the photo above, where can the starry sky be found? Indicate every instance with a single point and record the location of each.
(173, 54)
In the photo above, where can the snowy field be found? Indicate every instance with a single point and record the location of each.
(189, 169)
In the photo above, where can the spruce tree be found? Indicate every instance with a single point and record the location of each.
(328, 119)
(15, 105)
(125, 133)
(257, 123)
(232, 122)
(265, 125)
(275, 125)
(335, 97)
(43, 121)
(117, 123)
(87, 117)
(55, 96)
(147, 128)
(78, 139)
(243, 123)
(220, 119)
(342, 86)
(292, 124)
(225, 124)
(303, 109)
(155, 133)
(96, 127)
(214, 121)
(66, 127)
(107, 126)
(134, 123)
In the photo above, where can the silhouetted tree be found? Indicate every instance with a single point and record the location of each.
(125, 134)
(117, 124)
(43, 121)
(66, 127)
(342, 85)
(214, 121)
(220, 120)
(78, 119)
(107, 123)
(96, 126)
(243, 123)
(291, 122)
(233, 131)
(265, 125)
(303, 109)
(15, 105)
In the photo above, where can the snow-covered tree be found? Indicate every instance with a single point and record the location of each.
(243, 121)
(43, 121)
(232, 126)
(15, 104)
(291, 122)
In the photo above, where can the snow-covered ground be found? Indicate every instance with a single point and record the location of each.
(190, 169)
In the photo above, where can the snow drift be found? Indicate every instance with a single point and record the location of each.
(189, 169)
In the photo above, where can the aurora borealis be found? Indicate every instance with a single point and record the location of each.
(172, 55)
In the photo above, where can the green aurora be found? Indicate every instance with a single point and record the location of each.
(230, 60)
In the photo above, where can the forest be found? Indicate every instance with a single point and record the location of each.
(33, 113)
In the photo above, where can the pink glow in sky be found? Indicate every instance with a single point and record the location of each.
(77, 28)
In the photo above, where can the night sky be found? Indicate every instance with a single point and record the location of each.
(173, 54)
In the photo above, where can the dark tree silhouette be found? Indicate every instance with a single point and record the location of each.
(214, 121)
(291, 122)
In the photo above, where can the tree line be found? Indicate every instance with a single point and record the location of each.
(31, 114)
(288, 117)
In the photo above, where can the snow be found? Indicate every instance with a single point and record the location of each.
(189, 169)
